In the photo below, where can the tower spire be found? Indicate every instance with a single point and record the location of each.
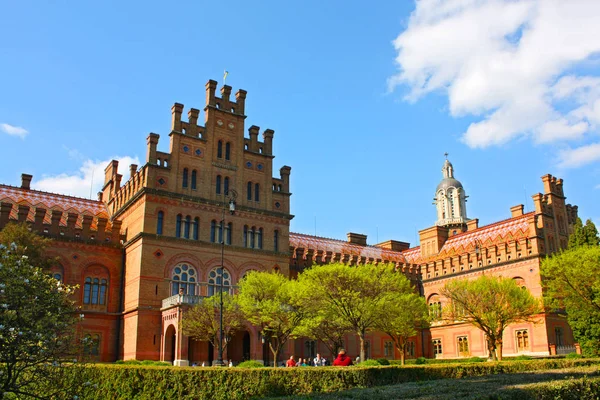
(450, 199)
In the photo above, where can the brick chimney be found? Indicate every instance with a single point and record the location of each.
(26, 181)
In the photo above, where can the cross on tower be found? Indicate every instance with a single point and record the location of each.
(446, 154)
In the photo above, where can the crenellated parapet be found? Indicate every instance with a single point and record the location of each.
(57, 216)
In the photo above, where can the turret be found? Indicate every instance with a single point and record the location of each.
(450, 200)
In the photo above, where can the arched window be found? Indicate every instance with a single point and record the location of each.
(159, 223)
(220, 149)
(249, 191)
(276, 240)
(184, 279)
(257, 192)
(185, 178)
(435, 306)
(186, 227)
(228, 230)
(178, 226)
(214, 281)
(57, 276)
(213, 231)
(522, 339)
(194, 173)
(228, 151)
(226, 186)
(251, 237)
(520, 282)
(259, 237)
(245, 235)
(218, 184)
(220, 226)
(94, 291)
(195, 228)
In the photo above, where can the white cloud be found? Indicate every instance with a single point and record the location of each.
(14, 130)
(509, 63)
(573, 158)
(89, 175)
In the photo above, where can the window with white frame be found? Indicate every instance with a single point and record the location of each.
(437, 347)
(214, 281)
(184, 279)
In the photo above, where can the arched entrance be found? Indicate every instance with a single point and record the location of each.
(169, 348)
(246, 347)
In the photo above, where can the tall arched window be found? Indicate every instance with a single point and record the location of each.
(178, 226)
(257, 192)
(184, 279)
(159, 223)
(435, 306)
(220, 149)
(228, 151)
(228, 230)
(213, 231)
(185, 178)
(186, 227)
(249, 191)
(251, 237)
(218, 184)
(220, 226)
(214, 281)
(259, 237)
(226, 186)
(245, 235)
(195, 228)
(276, 240)
(94, 291)
(194, 173)
(91, 345)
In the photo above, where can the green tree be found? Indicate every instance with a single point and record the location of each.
(272, 302)
(324, 326)
(402, 318)
(491, 304)
(355, 294)
(28, 243)
(584, 234)
(37, 329)
(571, 282)
(202, 322)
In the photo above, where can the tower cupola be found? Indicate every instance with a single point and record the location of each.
(450, 199)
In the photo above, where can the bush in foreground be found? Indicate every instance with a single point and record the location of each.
(251, 364)
(141, 382)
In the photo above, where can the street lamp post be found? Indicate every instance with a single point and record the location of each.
(231, 196)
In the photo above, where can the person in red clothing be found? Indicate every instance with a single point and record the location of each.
(342, 359)
(291, 362)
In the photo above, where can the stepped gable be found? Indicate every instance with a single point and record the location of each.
(299, 240)
(508, 229)
(51, 201)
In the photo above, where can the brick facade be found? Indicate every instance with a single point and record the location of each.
(150, 246)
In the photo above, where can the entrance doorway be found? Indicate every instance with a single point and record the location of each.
(170, 344)
(246, 347)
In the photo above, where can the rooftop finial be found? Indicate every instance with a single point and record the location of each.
(446, 155)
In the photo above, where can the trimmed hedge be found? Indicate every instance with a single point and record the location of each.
(148, 382)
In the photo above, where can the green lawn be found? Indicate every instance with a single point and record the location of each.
(507, 386)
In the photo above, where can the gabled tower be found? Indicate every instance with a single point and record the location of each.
(450, 200)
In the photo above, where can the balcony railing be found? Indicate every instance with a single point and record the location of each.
(181, 299)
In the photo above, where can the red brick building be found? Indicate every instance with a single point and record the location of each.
(151, 246)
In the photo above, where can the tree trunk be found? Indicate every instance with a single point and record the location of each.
(491, 349)
(499, 350)
(275, 351)
(361, 336)
(402, 356)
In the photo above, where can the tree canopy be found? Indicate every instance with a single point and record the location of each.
(491, 304)
(274, 303)
(584, 234)
(202, 322)
(571, 282)
(357, 295)
(37, 322)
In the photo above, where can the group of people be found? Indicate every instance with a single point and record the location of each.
(342, 360)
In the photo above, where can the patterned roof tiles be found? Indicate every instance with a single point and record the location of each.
(36, 198)
(317, 243)
(515, 227)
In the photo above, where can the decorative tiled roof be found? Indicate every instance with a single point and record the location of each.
(316, 243)
(413, 256)
(51, 201)
(507, 229)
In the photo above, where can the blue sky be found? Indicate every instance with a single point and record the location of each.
(364, 100)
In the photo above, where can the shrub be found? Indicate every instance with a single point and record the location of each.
(369, 363)
(251, 364)
(421, 360)
(153, 382)
(522, 357)
(476, 359)
(383, 361)
(573, 355)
